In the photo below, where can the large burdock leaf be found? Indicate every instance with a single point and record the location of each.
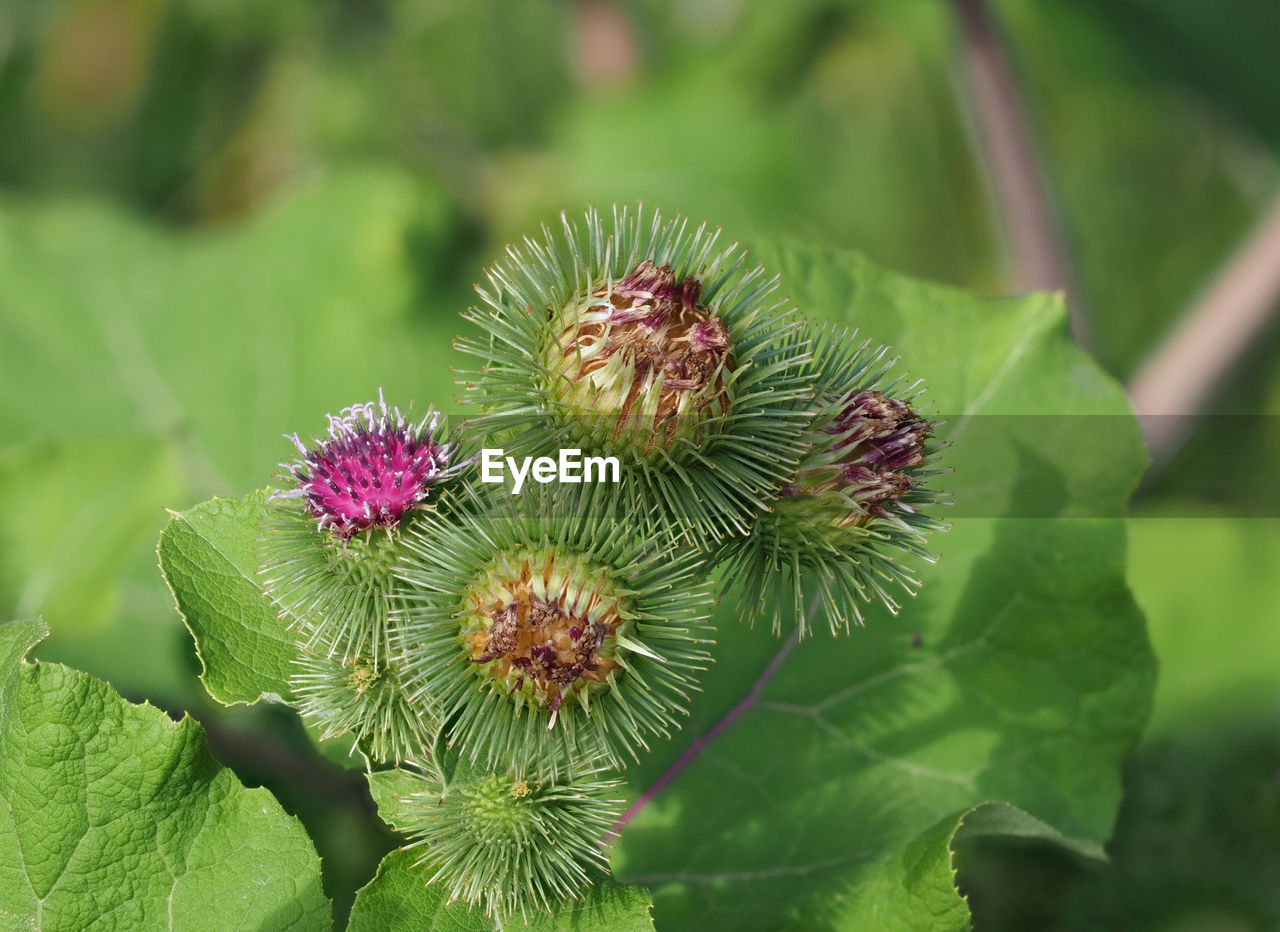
(820, 784)
(221, 340)
(117, 818)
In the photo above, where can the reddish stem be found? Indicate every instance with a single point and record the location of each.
(696, 748)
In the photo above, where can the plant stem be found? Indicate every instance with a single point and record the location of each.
(1178, 379)
(1018, 185)
(699, 745)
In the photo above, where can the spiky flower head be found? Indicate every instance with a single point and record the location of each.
(371, 470)
(856, 506)
(549, 633)
(511, 845)
(641, 338)
(330, 541)
(366, 699)
(642, 360)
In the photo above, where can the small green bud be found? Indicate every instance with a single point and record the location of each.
(367, 700)
(509, 845)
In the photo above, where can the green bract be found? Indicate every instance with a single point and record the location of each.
(550, 634)
(367, 700)
(637, 337)
(334, 593)
(838, 531)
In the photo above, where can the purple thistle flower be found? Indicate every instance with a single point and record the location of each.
(881, 440)
(371, 469)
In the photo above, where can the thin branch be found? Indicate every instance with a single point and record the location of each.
(1018, 185)
(1181, 375)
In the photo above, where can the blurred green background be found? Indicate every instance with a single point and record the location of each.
(221, 218)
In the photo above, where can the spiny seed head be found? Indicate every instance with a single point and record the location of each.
(509, 845)
(367, 700)
(646, 351)
(839, 529)
(550, 633)
(642, 337)
(544, 628)
(371, 469)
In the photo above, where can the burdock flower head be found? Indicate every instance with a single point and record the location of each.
(510, 844)
(638, 337)
(879, 443)
(550, 634)
(370, 471)
(332, 537)
(839, 529)
(645, 347)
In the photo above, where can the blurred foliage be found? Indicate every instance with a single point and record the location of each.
(181, 286)
(1154, 186)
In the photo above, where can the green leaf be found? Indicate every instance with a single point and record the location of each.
(86, 511)
(208, 556)
(221, 341)
(89, 512)
(386, 787)
(120, 818)
(1021, 673)
(398, 899)
(16, 639)
(915, 888)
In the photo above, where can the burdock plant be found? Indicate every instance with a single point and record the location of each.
(642, 338)
(541, 642)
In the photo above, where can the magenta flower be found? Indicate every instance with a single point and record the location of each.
(371, 469)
